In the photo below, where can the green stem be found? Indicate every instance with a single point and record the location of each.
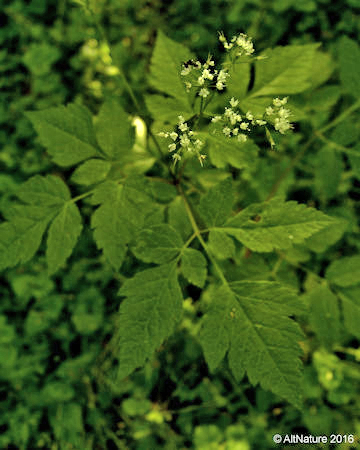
(341, 117)
(197, 233)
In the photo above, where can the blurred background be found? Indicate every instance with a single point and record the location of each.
(54, 391)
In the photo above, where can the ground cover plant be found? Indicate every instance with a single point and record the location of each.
(181, 265)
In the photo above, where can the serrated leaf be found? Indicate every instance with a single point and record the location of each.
(114, 131)
(221, 245)
(223, 151)
(170, 55)
(120, 215)
(323, 239)
(344, 271)
(66, 132)
(350, 300)
(91, 172)
(46, 190)
(263, 227)
(216, 205)
(349, 62)
(286, 70)
(148, 315)
(239, 79)
(159, 244)
(194, 267)
(20, 239)
(179, 219)
(167, 109)
(249, 322)
(324, 315)
(63, 234)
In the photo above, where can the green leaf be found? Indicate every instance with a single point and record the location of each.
(179, 219)
(21, 236)
(223, 151)
(63, 234)
(120, 215)
(45, 191)
(148, 315)
(323, 239)
(66, 132)
(114, 131)
(286, 70)
(165, 68)
(20, 239)
(221, 245)
(344, 271)
(350, 301)
(324, 315)
(216, 205)
(349, 61)
(159, 244)
(91, 172)
(194, 267)
(249, 322)
(239, 80)
(167, 109)
(263, 227)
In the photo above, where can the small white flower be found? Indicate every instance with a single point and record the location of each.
(216, 119)
(235, 131)
(234, 102)
(198, 143)
(183, 126)
(173, 135)
(162, 134)
(270, 111)
(176, 157)
(227, 131)
(244, 126)
(204, 92)
(185, 71)
(260, 122)
(188, 85)
(201, 81)
(242, 137)
(172, 147)
(184, 141)
(249, 116)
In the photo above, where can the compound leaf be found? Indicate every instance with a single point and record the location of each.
(159, 244)
(216, 205)
(120, 215)
(91, 172)
(194, 267)
(114, 131)
(249, 321)
(66, 132)
(148, 315)
(62, 236)
(285, 70)
(263, 227)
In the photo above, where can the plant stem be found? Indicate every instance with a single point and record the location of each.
(197, 233)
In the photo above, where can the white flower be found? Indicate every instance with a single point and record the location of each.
(173, 135)
(216, 119)
(162, 134)
(188, 85)
(235, 131)
(198, 144)
(183, 126)
(280, 102)
(234, 102)
(249, 116)
(227, 131)
(184, 141)
(176, 157)
(172, 147)
(242, 137)
(260, 122)
(204, 92)
(244, 126)
(270, 111)
(185, 71)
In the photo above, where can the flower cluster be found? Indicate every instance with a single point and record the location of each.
(183, 141)
(235, 124)
(203, 77)
(241, 44)
(280, 115)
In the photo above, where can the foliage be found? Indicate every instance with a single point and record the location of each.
(237, 314)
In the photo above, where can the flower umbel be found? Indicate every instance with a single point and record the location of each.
(280, 115)
(184, 141)
(241, 45)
